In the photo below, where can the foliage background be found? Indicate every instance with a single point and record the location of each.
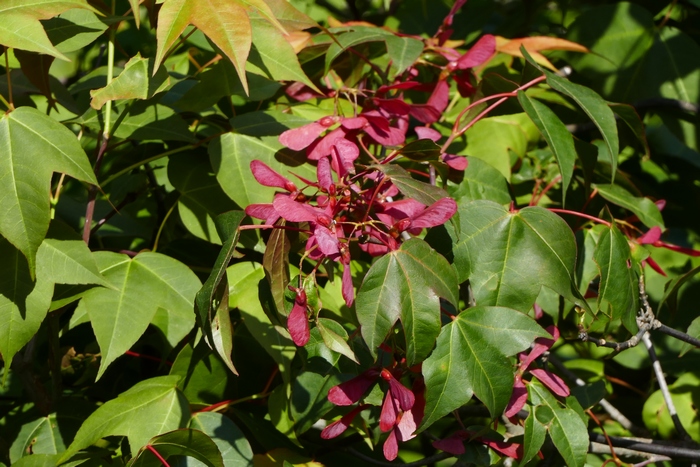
(111, 323)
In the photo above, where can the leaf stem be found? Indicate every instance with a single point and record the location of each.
(580, 214)
(158, 456)
(162, 225)
(10, 104)
(503, 97)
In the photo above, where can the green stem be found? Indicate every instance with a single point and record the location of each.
(162, 224)
(110, 71)
(10, 104)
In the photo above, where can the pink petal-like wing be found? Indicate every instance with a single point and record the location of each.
(393, 106)
(323, 173)
(338, 427)
(354, 123)
(479, 54)
(552, 381)
(425, 113)
(347, 289)
(454, 445)
(298, 324)
(440, 96)
(391, 447)
(402, 394)
(268, 177)
(295, 211)
(517, 399)
(406, 427)
(326, 241)
(262, 211)
(387, 418)
(651, 236)
(436, 214)
(300, 138)
(507, 449)
(323, 147)
(424, 132)
(456, 162)
(351, 391)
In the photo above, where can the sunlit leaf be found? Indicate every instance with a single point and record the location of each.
(509, 256)
(557, 136)
(471, 358)
(406, 285)
(481, 181)
(182, 442)
(32, 147)
(141, 286)
(139, 80)
(618, 293)
(147, 409)
(20, 27)
(233, 446)
(644, 208)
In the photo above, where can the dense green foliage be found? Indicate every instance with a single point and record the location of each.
(260, 232)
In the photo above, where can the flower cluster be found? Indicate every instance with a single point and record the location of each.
(401, 411)
(344, 206)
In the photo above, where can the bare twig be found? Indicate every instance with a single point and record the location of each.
(649, 446)
(602, 448)
(661, 379)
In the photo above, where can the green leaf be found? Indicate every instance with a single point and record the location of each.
(231, 155)
(23, 303)
(75, 29)
(204, 377)
(509, 256)
(20, 27)
(335, 337)
(568, 432)
(350, 37)
(421, 150)
(224, 22)
(618, 292)
(481, 181)
(40, 436)
(409, 186)
(32, 147)
(640, 60)
(494, 139)
(403, 52)
(138, 80)
(221, 80)
(265, 123)
(147, 409)
(67, 262)
(406, 284)
(201, 197)
(629, 115)
(274, 56)
(557, 136)
(211, 295)
(470, 358)
(244, 279)
(38, 460)
(141, 286)
(276, 265)
(672, 287)
(533, 438)
(233, 446)
(644, 208)
(144, 120)
(182, 442)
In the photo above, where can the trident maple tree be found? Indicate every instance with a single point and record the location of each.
(282, 233)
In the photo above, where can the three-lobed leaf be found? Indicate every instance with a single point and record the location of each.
(509, 256)
(147, 409)
(470, 357)
(406, 285)
(32, 147)
(140, 288)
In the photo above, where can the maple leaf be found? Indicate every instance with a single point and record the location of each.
(20, 27)
(225, 22)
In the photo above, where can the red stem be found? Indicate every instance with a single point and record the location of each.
(503, 97)
(580, 214)
(155, 453)
(549, 186)
(147, 357)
